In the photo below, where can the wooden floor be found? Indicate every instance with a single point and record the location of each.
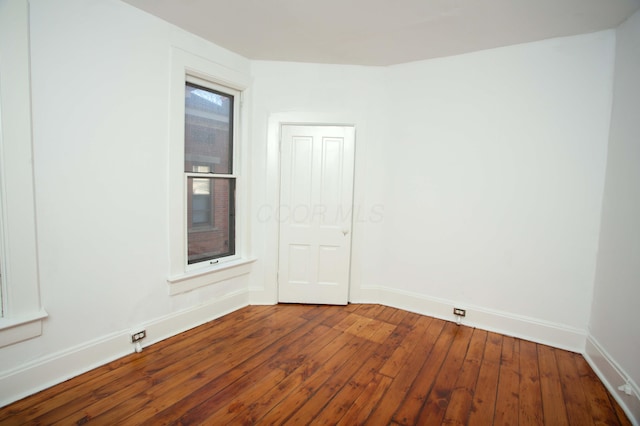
(359, 364)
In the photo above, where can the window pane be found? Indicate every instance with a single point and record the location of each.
(211, 218)
(208, 130)
(201, 202)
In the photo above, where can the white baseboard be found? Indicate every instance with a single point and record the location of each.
(613, 376)
(58, 367)
(172, 324)
(548, 333)
(260, 296)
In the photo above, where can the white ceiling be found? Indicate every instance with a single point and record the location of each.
(382, 32)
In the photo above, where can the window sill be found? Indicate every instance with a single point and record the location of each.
(14, 330)
(210, 275)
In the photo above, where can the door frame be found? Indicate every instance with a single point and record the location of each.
(268, 294)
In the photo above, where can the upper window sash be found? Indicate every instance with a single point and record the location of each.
(236, 126)
(210, 115)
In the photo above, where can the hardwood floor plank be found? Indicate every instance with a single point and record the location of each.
(434, 409)
(310, 312)
(331, 367)
(369, 310)
(348, 321)
(316, 360)
(530, 393)
(553, 405)
(362, 327)
(421, 333)
(342, 400)
(232, 361)
(316, 400)
(381, 331)
(92, 411)
(417, 395)
(429, 330)
(367, 373)
(508, 397)
(577, 411)
(289, 361)
(484, 398)
(390, 315)
(461, 399)
(402, 317)
(598, 400)
(317, 364)
(361, 409)
(98, 395)
(333, 316)
(217, 359)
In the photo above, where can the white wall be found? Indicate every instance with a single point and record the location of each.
(614, 326)
(488, 169)
(100, 99)
(498, 163)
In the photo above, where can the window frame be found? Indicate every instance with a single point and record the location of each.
(183, 277)
(236, 96)
(22, 313)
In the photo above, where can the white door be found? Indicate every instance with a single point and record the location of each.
(316, 199)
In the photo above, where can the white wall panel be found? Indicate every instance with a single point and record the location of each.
(614, 315)
(495, 176)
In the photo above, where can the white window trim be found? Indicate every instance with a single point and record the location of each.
(183, 277)
(22, 314)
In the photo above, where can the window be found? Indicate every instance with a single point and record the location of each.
(207, 209)
(208, 168)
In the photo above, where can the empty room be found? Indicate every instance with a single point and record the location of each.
(337, 212)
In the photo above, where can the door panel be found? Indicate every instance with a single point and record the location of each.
(316, 192)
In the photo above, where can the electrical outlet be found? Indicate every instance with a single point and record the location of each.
(136, 337)
(459, 312)
(626, 388)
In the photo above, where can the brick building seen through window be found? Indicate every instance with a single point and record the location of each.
(209, 173)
